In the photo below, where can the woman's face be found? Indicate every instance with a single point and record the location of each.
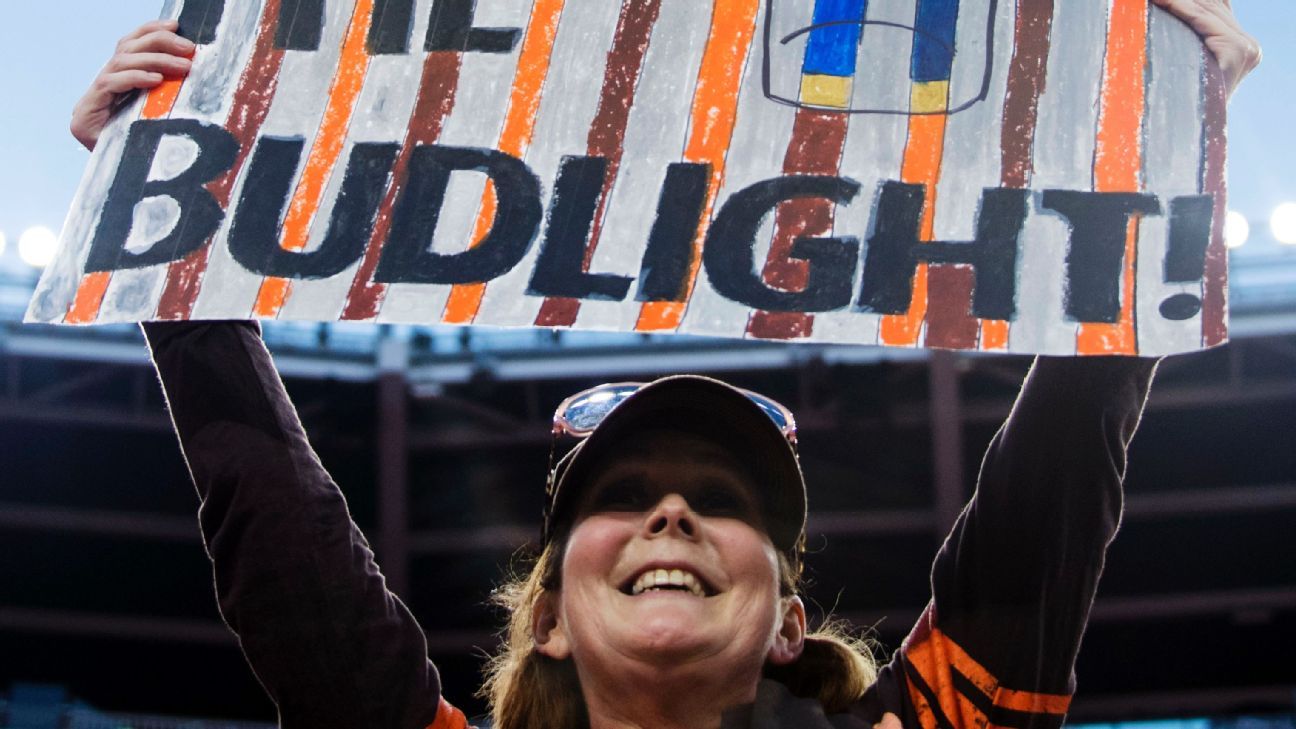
(668, 564)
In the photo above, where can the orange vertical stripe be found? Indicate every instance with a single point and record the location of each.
(332, 134)
(1118, 156)
(994, 334)
(90, 293)
(922, 161)
(515, 137)
(161, 100)
(711, 126)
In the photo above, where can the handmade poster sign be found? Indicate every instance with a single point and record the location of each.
(1022, 175)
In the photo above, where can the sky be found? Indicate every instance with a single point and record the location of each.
(51, 50)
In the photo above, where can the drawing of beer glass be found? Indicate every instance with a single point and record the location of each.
(821, 55)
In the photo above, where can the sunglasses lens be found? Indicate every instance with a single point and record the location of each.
(583, 414)
(771, 409)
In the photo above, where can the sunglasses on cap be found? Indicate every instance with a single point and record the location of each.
(580, 414)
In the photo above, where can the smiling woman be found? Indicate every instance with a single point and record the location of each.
(666, 592)
(693, 559)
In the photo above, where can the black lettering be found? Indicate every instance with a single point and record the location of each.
(729, 257)
(199, 18)
(895, 249)
(200, 215)
(406, 258)
(669, 256)
(393, 22)
(1191, 218)
(1095, 258)
(254, 235)
(300, 26)
(451, 29)
(560, 269)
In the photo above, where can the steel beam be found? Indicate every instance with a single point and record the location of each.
(99, 523)
(189, 631)
(1193, 703)
(392, 431)
(944, 404)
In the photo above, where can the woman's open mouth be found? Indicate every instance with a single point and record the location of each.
(660, 579)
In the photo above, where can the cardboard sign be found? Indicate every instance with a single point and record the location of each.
(1022, 175)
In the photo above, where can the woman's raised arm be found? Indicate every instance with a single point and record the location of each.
(295, 578)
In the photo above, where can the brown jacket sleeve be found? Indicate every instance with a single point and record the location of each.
(295, 578)
(1014, 581)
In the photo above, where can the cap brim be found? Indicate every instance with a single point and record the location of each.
(708, 409)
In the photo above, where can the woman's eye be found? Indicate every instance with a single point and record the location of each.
(627, 495)
(719, 500)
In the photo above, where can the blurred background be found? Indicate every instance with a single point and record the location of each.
(440, 437)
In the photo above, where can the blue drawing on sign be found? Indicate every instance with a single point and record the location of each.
(832, 53)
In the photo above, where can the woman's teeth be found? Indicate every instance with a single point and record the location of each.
(668, 580)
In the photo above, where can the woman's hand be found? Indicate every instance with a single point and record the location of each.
(889, 721)
(142, 61)
(1237, 52)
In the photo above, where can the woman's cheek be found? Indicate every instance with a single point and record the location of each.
(593, 547)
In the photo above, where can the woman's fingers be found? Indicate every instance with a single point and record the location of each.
(163, 63)
(143, 59)
(1237, 52)
(150, 27)
(158, 41)
(123, 82)
(889, 721)
(92, 112)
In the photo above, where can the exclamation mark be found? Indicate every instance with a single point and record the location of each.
(1185, 261)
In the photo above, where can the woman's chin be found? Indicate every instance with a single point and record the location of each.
(673, 635)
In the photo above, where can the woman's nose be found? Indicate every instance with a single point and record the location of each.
(672, 516)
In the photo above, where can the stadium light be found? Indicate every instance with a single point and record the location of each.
(36, 246)
(1236, 229)
(1283, 223)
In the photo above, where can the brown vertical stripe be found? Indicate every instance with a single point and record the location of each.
(1214, 182)
(818, 139)
(1026, 76)
(251, 104)
(606, 139)
(950, 325)
(949, 296)
(436, 97)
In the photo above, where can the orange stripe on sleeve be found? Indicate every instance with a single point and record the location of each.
(1118, 156)
(1003, 697)
(515, 137)
(935, 656)
(927, 651)
(90, 293)
(711, 127)
(926, 717)
(332, 134)
(448, 717)
(1033, 702)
